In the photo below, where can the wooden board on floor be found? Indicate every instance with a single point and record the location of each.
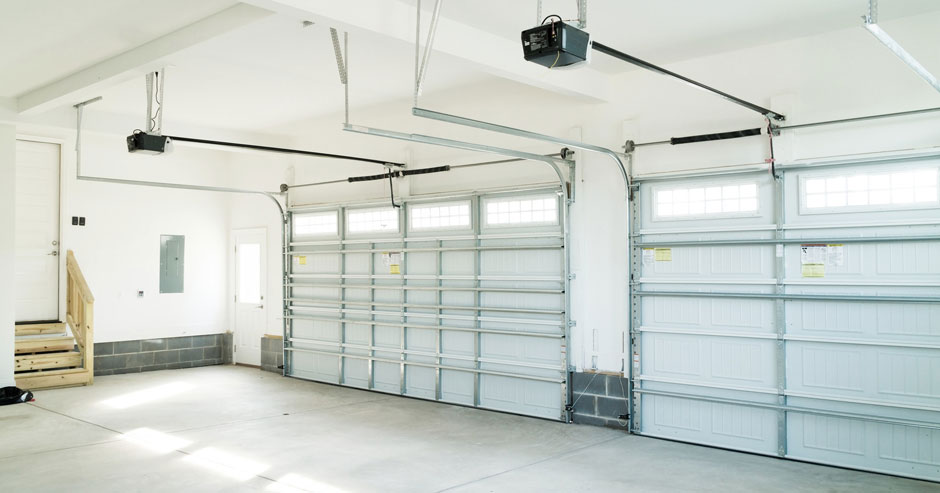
(52, 379)
(38, 329)
(42, 361)
(45, 344)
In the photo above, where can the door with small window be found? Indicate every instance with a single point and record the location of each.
(250, 268)
(459, 299)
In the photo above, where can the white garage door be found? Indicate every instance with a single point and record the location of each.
(458, 299)
(797, 316)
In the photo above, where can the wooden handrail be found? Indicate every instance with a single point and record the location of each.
(80, 313)
(76, 272)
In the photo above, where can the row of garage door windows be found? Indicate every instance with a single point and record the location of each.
(911, 188)
(534, 210)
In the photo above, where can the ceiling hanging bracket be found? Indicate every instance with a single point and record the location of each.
(871, 24)
(421, 69)
(155, 82)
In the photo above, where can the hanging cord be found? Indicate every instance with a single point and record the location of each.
(391, 188)
(770, 138)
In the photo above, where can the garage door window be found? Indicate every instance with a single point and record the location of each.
(449, 216)
(905, 189)
(522, 211)
(372, 220)
(719, 200)
(318, 224)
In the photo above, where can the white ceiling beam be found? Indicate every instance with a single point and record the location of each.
(493, 54)
(145, 58)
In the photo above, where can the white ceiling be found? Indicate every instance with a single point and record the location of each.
(273, 72)
(276, 71)
(45, 40)
(666, 31)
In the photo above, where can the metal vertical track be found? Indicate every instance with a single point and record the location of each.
(403, 269)
(780, 317)
(341, 371)
(440, 321)
(287, 265)
(477, 338)
(636, 266)
(568, 323)
(371, 362)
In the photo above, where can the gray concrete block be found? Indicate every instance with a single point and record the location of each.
(127, 370)
(214, 352)
(228, 345)
(179, 342)
(104, 348)
(153, 368)
(610, 407)
(586, 404)
(185, 364)
(103, 373)
(124, 347)
(110, 362)
(164, 357)
(589, 383)
(153, 345)
(208, 340)
(194, 354)
(139, 360)
(268, 358)
(617, 386)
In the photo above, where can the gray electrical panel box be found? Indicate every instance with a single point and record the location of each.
(172, 249)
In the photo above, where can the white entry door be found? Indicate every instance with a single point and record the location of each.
(250, 275)
(37, 231)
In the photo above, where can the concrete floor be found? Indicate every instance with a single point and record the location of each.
(226, 428)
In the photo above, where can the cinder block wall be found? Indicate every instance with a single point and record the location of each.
(112, 358)
(600, 399)
(272, 353)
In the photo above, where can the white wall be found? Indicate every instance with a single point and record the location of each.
(7, 257)
(119, 248)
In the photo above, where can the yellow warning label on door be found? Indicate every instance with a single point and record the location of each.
(302, 259)
(393, 269)
(663, 254)
(814, 270)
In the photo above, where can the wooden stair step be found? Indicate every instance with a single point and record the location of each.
(52, 378)
(44, 344)
(42, 361)
(39, 329)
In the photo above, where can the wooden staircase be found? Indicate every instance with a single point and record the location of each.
(47, 355)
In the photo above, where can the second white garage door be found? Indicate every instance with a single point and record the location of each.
(796, 316)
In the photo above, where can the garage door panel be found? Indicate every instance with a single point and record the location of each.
(902, 376)
(708, 314)
(889, 448)
(884, 322)
(721, 425)
(457, 387)
(728, 262)
(519, 396)
(729, 361)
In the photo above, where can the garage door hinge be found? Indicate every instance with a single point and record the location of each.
(572, 323)
(572, 277)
